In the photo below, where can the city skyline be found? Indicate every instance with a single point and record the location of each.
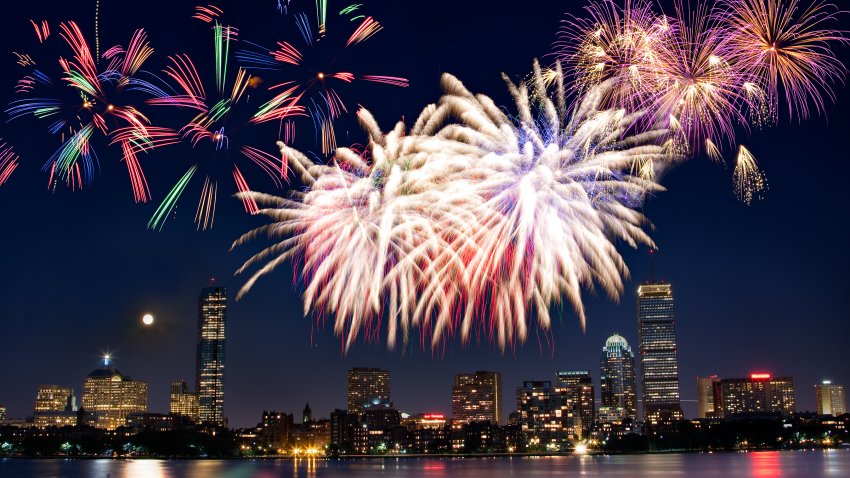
(369, 388)
(748, 279)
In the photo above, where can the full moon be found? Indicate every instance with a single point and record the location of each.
(147, 319)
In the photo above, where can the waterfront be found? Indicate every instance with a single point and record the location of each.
(767, 464)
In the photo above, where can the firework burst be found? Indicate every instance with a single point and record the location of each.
(786, 47)
(86, 102)
(442, 228)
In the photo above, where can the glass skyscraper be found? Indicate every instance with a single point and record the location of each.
(618, 378)
(659, 363)
(212, 316)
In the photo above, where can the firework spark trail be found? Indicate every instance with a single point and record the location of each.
(304, 74)
(440, 228)
(218, 116)
(749, 181)
(9, 161)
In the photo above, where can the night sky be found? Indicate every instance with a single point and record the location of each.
(756, 288)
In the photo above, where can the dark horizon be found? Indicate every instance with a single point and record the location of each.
(760, 288)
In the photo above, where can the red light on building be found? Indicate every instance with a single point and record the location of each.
(433, 416)
(760, 376)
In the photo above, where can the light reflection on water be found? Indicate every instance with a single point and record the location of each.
(767, 464)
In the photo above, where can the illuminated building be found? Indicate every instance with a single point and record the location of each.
(156, 422)
(427, 432)
(55, 398)
(659, 364)
(212, 317)
(425, 421)
(315, 434)
(577, 386)
(477, 397)
(274, 432)
(708, 397)
(545, 415)
(2, 414)
(611, 422)
(617, 377)
(57, 419)
(758, 393)
(830, 399)
(182, 402)
(110, 396)
(367, 386)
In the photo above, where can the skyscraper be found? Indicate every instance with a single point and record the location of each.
(110, 396)
(758, 393)
(183, 402)
(477, 397)
(366, 387)
(577, 387)
(830, 399)
(659, 363)
(708, 397)
(617, 377)
(212, 316)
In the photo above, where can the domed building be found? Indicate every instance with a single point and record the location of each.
(618, 378)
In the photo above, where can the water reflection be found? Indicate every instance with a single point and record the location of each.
(802, 464)
(765, 464)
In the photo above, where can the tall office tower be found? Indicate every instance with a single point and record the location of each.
(577, 386)
(212, 316)
(2, 414)
(617, 377)
(55, 398)
(183, 402)
(111, 396)
(368, 387)
(758, 393)
(659, 364)
(830, 399)
(708, 397)
(477, 397)
(544, 414)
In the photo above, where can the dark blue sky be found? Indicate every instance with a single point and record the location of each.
(756, 288)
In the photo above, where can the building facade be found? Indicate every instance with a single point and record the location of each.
(109, 396)
(183, 402)
(659, 363)
(708, 397)
(545, 415)
(830, 399)
(758, 393)
(617, 378)
(55, 398)
(212, 318)
(477, 397)
(367, 387)
(577, 388)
